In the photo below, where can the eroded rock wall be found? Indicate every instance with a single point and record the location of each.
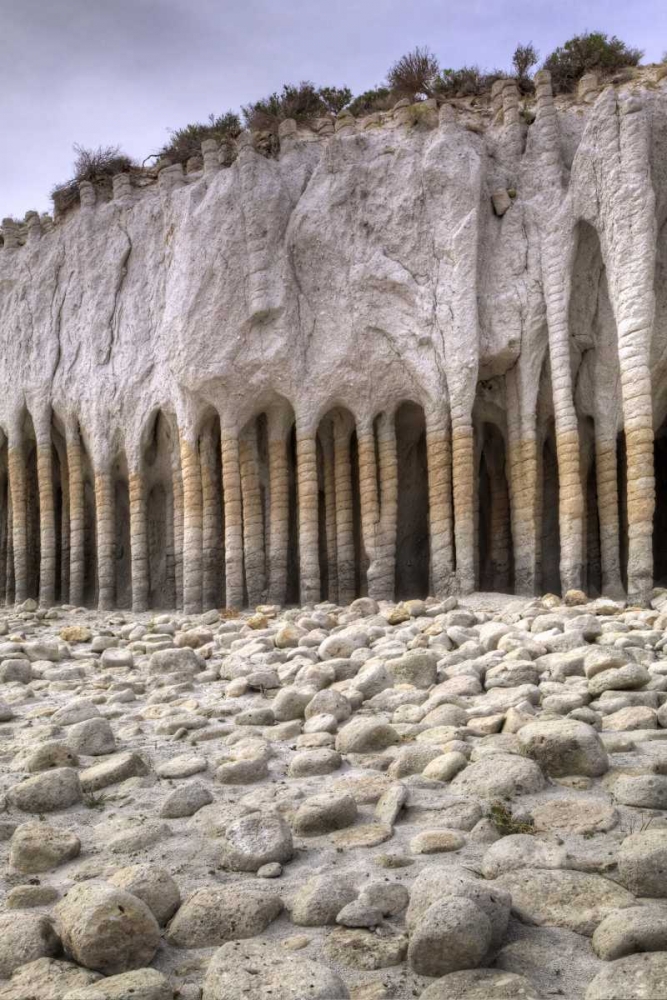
(378, 361)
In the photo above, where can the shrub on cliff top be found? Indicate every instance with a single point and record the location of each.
(377, 99)
(523, 60)
(594, 51)
(414, 74)
(95, 165)
(186, 142)
(304, 102)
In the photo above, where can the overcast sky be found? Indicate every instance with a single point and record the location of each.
(101, 72)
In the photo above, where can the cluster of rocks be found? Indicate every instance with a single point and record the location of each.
(378, 801)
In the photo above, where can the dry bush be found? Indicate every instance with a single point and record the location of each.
(304, 102)
(377, 99)
(593, 51)
(95, 165)
(468, 81)
(186, 142)
(415, 74)
(524, 59)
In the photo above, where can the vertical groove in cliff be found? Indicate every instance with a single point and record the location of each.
(253, 515)
(278, 507)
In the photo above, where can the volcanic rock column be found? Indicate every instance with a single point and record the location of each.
(17, 485)
(306, 466)
(253, 516)
(607, 488)
(177, 520)
(76, 518)
(557, 254)
(231, 485)
(47, 521)
(106, 537)
(138, 540)
(192, 525)
(278, 430)
(439, 458)
(379, 510)
(64, 523)
(633, 240)
(342, 431)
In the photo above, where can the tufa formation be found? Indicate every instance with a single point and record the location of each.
(409, 354)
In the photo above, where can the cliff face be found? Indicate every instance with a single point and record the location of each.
(397, 358)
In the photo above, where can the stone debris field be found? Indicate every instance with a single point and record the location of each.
(453, 799)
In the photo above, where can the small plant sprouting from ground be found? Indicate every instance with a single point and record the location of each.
(505, 823)
(594, 51)
(92, 801)
(95, 165)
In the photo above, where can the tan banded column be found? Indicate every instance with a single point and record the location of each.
(47, 519)
(17, 483)
(463, 480)
(607, 489)
(138, 541)
(177, 507)
(106, 540)
(76, 516)
(309, 562)
(231, 487)
(192, 527)
(439, 458)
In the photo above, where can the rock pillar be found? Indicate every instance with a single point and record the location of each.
(231, 486)
(439, 458)
(138, 541)
(192, 526)
(106, 539)
(309, 563)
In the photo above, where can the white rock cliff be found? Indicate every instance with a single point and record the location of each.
(414, 354)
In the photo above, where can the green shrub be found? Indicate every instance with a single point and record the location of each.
(377, 99)
(468, 81)
(523, 60)
(592, 51)
(186, 142)
(505, 823)
(95, 165)
(304, 102)
(415, 74)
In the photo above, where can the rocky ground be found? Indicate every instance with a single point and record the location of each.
(452, 800)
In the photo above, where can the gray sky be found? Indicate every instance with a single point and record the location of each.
(122, 72)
